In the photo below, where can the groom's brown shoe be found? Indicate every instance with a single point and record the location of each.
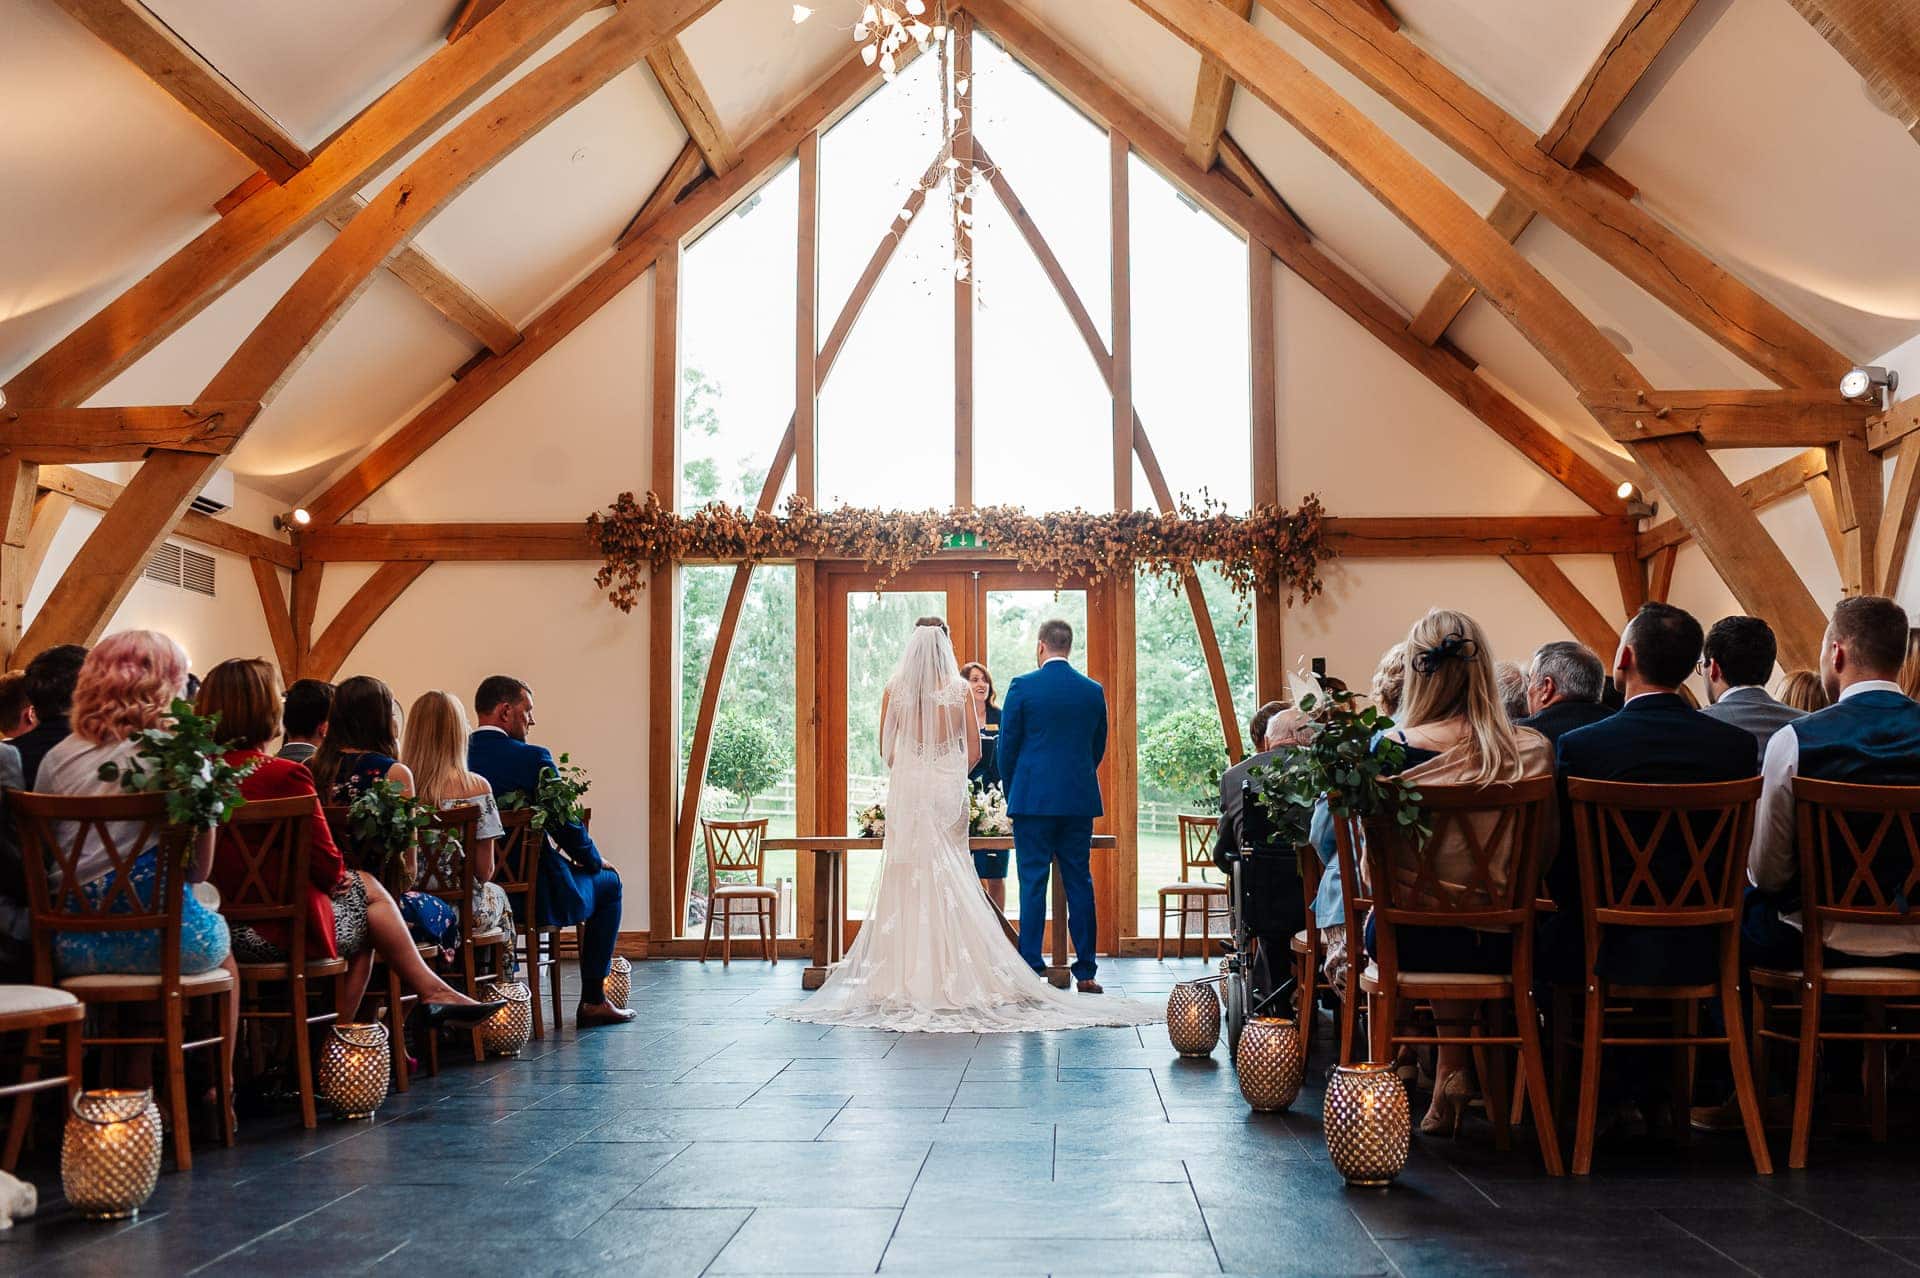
(1091, 987)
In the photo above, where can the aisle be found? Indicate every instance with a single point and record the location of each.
(710, 1138)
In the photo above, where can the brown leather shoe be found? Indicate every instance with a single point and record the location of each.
(1091, 987)
(602, 1014)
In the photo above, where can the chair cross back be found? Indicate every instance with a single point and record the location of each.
(1635, 841)
(270, 841)
(1197, 834)
(448, 872)
(55, 831)
(736, 847)
(517, 862)
(1859, 850)
(1498, 827)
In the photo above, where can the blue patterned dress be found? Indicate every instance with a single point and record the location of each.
(431, 920)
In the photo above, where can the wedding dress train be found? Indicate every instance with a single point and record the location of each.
(932, 955)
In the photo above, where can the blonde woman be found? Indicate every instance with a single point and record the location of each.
(1803, 690)
(435, 751)
(1456, 732)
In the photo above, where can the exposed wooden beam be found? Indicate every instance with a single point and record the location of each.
(18, 490)
(1263, 402)
(133, 31)
(1120, 284)
(1247, 176)
(687, 168)
(46, 435)
(450, 542)
(1643, 32)
(663, 613)
(101, 494)
(179, 288)
(1856, 475)
(1776, 483)
(1732, 418)
(1747, 558)
(438, 288)
(1888, 428)
(1212, 99)
(49, 512)
(273, 602)
(1632, 576)
(1622, 234)
(1509, 216)
(1575, 611)
(306, 608)
(806, 381)
(471, 12)
(350, 625)
(688, 97)
(1440, 537)
(1896, 526)
(1880, 39)
(1660, 573)
(104, 569)
(642, 245)
(1262, 213)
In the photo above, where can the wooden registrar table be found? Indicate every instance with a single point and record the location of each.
(830, 906)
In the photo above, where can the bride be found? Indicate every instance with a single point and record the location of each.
(933, 954)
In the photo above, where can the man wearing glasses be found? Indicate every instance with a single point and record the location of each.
(1736, 664)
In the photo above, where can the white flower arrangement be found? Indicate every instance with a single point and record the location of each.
(987, 812)
(872, 821)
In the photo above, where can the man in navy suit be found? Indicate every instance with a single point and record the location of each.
(576, 886)
(1656, 738)
(1053, 734)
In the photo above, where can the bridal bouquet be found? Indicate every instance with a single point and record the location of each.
(987, 813)
(872, 820)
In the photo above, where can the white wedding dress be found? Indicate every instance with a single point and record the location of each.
(932, 955)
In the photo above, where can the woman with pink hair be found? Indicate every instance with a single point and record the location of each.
(127, 685)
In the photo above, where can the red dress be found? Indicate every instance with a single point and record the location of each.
(274, 778)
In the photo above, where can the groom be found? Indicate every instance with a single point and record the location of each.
(1053, 732)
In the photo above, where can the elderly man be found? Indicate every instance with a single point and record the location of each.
(1233, 784)
(1563, 689)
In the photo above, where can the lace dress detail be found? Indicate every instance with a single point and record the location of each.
(932, 955)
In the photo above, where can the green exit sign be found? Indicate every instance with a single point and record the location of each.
(961, 541)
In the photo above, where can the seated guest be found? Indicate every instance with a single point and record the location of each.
(50, 680)
(1654, 739)
(1564, 687)
(358, 750)
(349, 914)
(435, 751)
(1870, 735)
(1226, 843)
(125, 686)
(576, 885)
(1456, 732)
(1389, 680)
(1803, 690)
(16, 914)
(308, 703)
(1512, 681)
(16, 709)
(1737, 661)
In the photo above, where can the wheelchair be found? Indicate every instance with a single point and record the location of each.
(1267, 906)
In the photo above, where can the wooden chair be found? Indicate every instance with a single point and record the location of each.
(54, 830)
(448, 874)
(385, 981)
(517, 870)
(1196, 854)
(1859, 848)
(734, 847)
(1665, 856)
(1496, 832)
(1305, 947)
(270, 841)
(34, 1010)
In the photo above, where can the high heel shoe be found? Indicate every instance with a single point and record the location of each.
(461, 1014)
(1450, 1098)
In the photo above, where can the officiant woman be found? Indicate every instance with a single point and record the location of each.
(990, 866)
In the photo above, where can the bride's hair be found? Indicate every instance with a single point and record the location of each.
(933, 621)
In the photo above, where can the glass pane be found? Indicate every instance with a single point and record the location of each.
(750, 766)
(1182, 749)
(886, 411)
(869, 163)
(1043, 419)
(1055, 159)
(1189, 283)
(737, 360)
(877, 627)
(1013, 623)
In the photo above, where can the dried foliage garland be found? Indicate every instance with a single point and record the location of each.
(1270, 549)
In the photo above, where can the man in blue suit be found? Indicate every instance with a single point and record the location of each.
(576, 886)
(1053, 734)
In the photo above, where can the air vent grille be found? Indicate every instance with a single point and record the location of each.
(175, 565)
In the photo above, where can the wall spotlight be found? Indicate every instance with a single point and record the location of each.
(1638, 507)
(293, 520)
(1863, 380)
